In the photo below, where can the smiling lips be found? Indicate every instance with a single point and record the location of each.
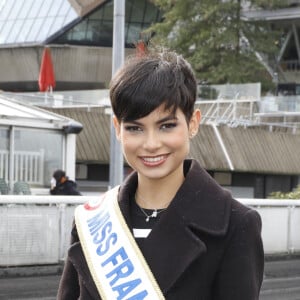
(153, 161)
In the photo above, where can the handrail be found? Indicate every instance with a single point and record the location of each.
(50, 219)
(32, 199)
(269, 202)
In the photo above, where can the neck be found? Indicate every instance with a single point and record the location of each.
(157, 194)
(155, 205)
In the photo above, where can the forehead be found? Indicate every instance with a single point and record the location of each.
(162, 113)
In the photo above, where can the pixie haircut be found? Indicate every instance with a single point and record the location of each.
(146, 82)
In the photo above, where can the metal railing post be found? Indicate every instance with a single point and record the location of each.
(62, 231)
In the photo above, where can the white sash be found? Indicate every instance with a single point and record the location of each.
(117, 265)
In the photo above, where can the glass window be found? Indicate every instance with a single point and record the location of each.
(55, 8)
(45, 8)
(93, 30)
(104, 36)
(25, 31)
(6, 31)
(97, 15)
(136, 11)
(35, 29)
(45, 28)
(151, 14)
(1, 25)
(66, 9)
(20, 11)
(99, 25)
(37, 154)
(133, 33)
(108, 11)
(79, 32)
(5, 10)
(15, 10)
(14, 31)
(58, 24)
(34, 11)
(26, 8)
(128, 9)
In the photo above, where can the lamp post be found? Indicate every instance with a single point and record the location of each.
(116, 164)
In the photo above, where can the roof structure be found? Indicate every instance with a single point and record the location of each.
(33, 21)
(217, 147)
(13, 112)
(247, 149)
(79, 33)
(93, 143)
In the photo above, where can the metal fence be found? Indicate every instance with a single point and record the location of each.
(35, 230)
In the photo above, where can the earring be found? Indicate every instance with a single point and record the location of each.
(192, 134)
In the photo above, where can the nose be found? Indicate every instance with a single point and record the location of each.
(152, 141)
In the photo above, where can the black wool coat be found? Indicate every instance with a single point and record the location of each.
(206, 246)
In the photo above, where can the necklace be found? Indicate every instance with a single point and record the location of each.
(153, 215)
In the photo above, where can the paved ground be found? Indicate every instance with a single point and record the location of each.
(281, 282)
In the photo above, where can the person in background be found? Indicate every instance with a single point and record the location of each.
(62, 185)
(195, 239)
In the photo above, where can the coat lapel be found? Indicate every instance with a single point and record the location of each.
(173, 244)
(170, 248)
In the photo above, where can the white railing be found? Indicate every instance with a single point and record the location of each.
(35, 230)
(280, 111)
(28, 166)
(4, 164)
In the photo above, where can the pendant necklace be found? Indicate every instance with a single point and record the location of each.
(153, 215)
(155, 212)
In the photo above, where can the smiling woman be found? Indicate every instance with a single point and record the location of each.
(157, 144)
(189, 238)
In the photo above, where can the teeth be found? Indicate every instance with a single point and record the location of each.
(153, 159)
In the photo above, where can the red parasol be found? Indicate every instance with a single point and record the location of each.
(141, 48)
(46, 76)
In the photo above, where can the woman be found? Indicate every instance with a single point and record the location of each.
(198, 242)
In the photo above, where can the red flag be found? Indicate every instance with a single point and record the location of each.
(46, 76)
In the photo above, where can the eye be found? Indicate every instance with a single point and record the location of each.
(168, 126)
(132, 128)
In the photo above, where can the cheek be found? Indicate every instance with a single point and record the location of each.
(179, 140)
(129, 143)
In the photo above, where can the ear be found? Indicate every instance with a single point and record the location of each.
(117, 126)
(194, 122)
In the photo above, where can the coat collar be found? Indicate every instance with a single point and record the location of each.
(200, 205)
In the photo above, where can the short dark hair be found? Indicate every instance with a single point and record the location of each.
(58, 174)
(145, 82)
